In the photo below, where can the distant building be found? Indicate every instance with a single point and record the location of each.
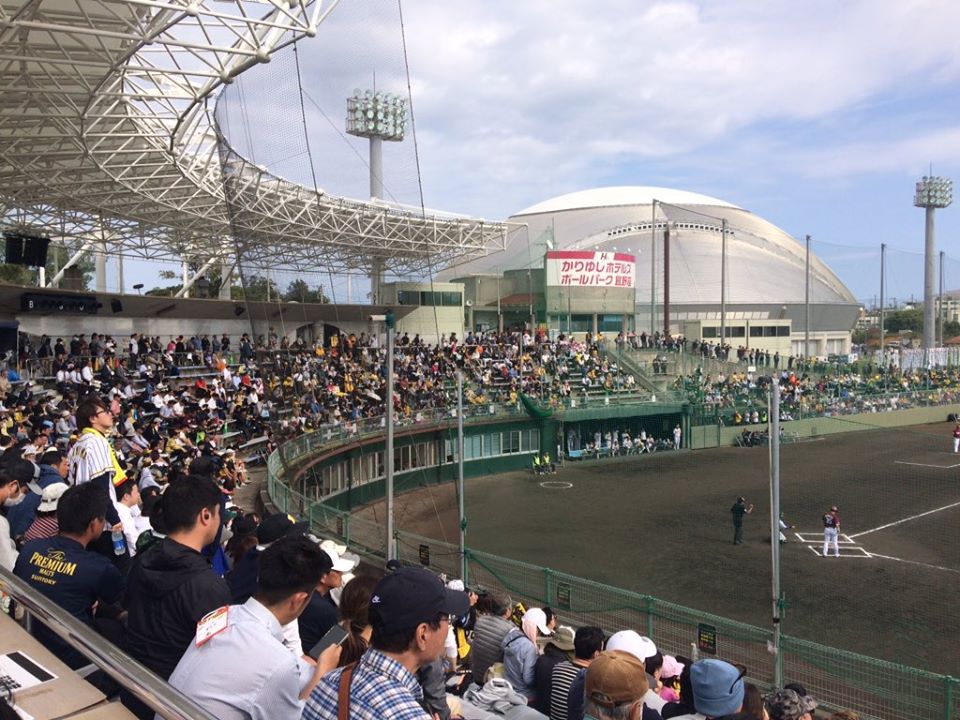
(765, 273)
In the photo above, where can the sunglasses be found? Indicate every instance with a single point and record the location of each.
(743, 671)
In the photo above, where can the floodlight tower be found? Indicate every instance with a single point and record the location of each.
(377, 116)
(932, 192)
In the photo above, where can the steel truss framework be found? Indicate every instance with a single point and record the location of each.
(107, 133)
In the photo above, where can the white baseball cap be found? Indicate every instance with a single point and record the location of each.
(51, 496)
(340, 564)
(640, 646)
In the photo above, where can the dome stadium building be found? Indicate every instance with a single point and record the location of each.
(649, 259)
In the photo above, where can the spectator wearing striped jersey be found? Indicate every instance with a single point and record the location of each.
(587, 645)
(91, 459)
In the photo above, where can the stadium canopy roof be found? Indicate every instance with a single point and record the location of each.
(107, 135)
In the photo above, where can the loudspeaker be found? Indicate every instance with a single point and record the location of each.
(53, 304)
(25, 249)
(13, 248)
(116, 305)
(35, 251)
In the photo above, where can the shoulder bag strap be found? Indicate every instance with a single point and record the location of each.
(343, 692)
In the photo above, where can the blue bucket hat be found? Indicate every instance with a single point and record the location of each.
(717, 687)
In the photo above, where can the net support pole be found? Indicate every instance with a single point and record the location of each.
(883, 301)
(723, 281)
(666, 280)
(940, 301)
(391, 544)
(462, 515)
(774, 432)
(806, 304)
(653, 270)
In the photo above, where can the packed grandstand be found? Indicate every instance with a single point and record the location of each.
(199, 410)
(142, 556)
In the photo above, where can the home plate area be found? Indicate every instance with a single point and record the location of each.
(848, 546)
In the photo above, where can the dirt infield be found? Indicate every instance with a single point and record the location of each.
(661, 525)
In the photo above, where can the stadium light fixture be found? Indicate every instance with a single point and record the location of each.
(932, 193)
(377, 116)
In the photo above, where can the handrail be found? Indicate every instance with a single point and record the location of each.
(137, 679)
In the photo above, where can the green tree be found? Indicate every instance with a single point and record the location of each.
(904, 320)
(80, 274)
(166, 290)
(298, 290)
(255, 288)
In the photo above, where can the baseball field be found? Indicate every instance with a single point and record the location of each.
(661, 524)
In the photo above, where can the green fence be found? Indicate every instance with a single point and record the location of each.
(840, 679)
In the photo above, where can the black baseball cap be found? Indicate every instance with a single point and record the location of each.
(279, 525)
(410, 596)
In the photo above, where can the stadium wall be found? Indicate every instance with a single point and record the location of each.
(838, 678)
(706, 436)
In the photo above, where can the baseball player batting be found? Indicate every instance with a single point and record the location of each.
(831, 531)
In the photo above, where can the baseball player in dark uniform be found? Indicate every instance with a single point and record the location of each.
(739, 509)
(831, 531)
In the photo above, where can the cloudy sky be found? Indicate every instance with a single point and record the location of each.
(819, 116)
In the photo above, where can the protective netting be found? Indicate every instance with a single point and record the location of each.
(300, 190)
(766, 267)
(837, 678)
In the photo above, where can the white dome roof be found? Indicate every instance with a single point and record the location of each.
(621, 195)
(765, 264)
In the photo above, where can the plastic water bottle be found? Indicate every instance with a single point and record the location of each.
(119, 543)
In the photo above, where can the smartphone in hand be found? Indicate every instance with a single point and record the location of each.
(334, 636)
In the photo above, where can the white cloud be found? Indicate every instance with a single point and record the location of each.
(519, 101)
(525, 99)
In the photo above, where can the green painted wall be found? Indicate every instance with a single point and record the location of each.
(371, 492)
(550, 429)
(705, 436)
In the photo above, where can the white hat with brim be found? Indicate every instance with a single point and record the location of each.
(51, 496)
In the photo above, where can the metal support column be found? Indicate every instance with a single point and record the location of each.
(462, 515)
(74, 259)
(929, 329)
(723, 281)
(100, 267)
(940, 301)
(883, 301)
(774, 432)
(666, 279)
(226, 280)
(806, 304)
(653, 270)
(391, 542)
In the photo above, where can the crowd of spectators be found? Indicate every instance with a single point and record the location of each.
(116, 484)
(405, 646)
(740, 397)
(296, 386)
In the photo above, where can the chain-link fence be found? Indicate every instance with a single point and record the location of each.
(876, 688)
